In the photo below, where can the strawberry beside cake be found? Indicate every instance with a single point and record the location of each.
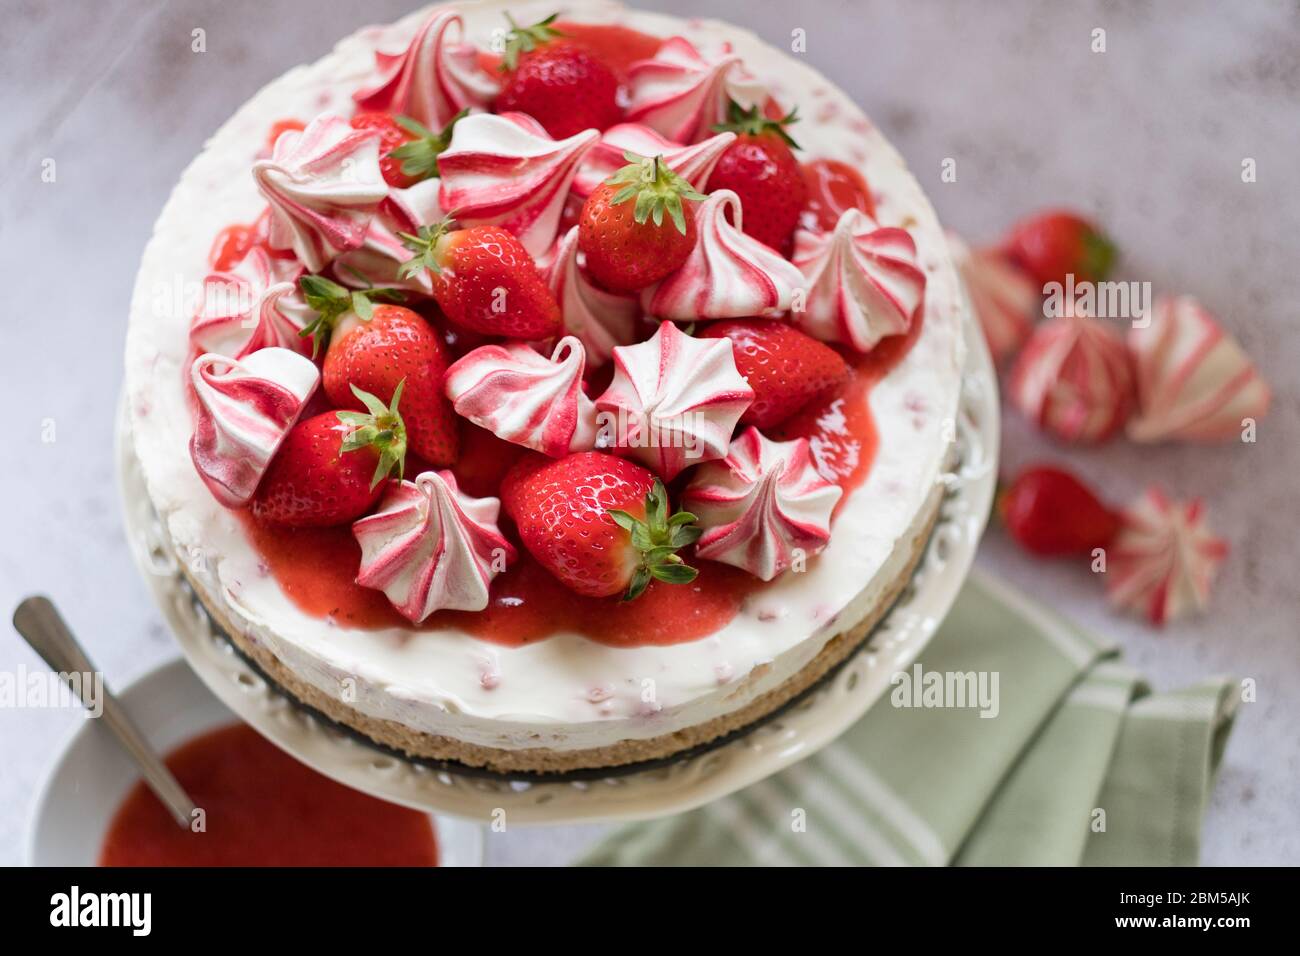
(546, 394)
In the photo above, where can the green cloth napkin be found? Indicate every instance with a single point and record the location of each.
(1078, 763)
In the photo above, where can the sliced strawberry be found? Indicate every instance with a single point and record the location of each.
(598, 523)
(1052, 245)
(786, 368)
(1049, 512)
(621, 229)
(484, 280)
(332, 468)
(761, 169)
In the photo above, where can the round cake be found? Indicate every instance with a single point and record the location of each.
(538, 394)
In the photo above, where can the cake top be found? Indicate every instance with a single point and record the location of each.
(523, 248)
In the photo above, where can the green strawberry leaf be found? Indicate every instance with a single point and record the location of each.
(752, 122)
(419, 156)
(657, 538)
(526, 39)
(424, 245)
(381, 428)
(656, 189)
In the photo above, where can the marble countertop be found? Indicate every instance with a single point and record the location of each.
(1149, 136)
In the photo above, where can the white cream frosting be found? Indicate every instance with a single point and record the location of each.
(432, 682)
(506, 170)
(245, 409)
(527, 398)
(323, 184)
(433, 79)
(728, 274)
(430, 546)
(600, 319)
(683, 91)
(692, 162)
(764, 507)
(674, 400)
(255, 305)
(862, 281)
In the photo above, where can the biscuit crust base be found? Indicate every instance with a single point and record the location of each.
(544, 760)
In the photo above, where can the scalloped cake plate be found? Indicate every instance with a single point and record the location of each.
(792, 735)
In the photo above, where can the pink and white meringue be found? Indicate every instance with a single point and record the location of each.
(526, 398)
(600, 319)
(431, 547)
(682, 94)
(433, 79)
(693, 163)
(1006, 301)
(763, 506)
(863, 281)
(245, 409)
(323, 184)
(1073, 378)
(1194, 382)
(728, 275)
(1164, 558)
(506, 170)
(379, 258)
(674, 400)
(255, 305)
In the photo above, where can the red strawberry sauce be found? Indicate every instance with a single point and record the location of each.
(832, 188)
(316, 567)
(263, 808)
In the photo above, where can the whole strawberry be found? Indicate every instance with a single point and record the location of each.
(408, 152)
(332, 468)
(621, 229)
(598, 523)
(761, 169)
(560, 84)
(1051, 513)
(484, 280)
(786, 368)
(1052, 245)
(374, 347)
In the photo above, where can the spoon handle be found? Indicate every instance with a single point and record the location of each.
(41, 625)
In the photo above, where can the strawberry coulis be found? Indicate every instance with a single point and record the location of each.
(832, 188)
(263, 808)
(316, 567)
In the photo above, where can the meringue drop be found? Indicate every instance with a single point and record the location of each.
(379, 259)
(505, 170)
(863, 281)
(430, 546)
(324, 185)
(1164, 558)
(600, 319)
(728, 275)
(682, 94)
(693, 163)
(1194, 382)
(526, 398)
(255, 305)
(763, 506)
(245, 409)
(1073, 378)
(433, 79)
(674, 400)
(1005, 300)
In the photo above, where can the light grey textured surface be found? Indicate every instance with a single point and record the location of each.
(1149, 136)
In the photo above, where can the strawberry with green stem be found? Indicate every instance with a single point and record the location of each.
(333, 467)
(599, 523)
(375, 345)
(622, 231)
(760, 167)
(484, 280)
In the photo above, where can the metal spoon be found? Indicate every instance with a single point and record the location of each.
(40, 624)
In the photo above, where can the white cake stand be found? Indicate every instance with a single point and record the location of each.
(798, 732)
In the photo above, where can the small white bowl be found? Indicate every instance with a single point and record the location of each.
(92, 776)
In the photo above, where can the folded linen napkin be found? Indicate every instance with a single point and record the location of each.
(1075, 762)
